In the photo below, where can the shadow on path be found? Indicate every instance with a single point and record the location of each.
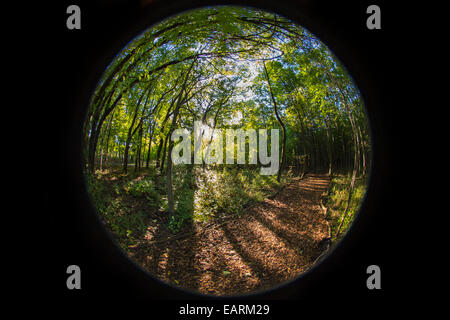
(273, 242)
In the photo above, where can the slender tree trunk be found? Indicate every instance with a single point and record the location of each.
(162, 141)
(314, 152)
(102, 96)
(309, 157)
(108, 137)
(170, 198)
(127, 144)
(137, 166)
(140, 147)
(101, 151)
(92, 146)
(132, 131)
(363, 152)
(98, 121)
(163, 157)
(302, 125)
(152, 129)
(102, 142)
(158, 152)
(350, 193)
(329, 147)
(283, 147)
(355, 165)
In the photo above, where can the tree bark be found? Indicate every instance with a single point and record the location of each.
(355, 162)
(130, 134)
(283, 146)
(170, 198)
(97, 125)
(152, 130)
(329, 147)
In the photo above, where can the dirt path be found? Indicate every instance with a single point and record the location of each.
(273, 242)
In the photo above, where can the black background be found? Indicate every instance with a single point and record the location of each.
(68, 65)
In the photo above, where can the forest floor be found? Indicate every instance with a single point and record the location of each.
(272, 242)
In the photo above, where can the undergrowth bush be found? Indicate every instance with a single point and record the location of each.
(337, 199)
(97, 191)
(144, 188)
(200, 193)
(184, 198)
(228, 191)
(128, 226)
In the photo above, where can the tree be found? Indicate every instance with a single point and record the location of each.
(228, 67)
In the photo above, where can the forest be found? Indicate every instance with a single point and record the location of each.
(221, 228)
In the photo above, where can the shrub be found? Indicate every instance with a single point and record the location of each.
(127, 226)
(144, 188)
(98, 191)
(336, 200)
(229, 190)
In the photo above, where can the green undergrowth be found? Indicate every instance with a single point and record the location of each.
(230, 191)
(124, 202)
(129, 203)
(336, 202)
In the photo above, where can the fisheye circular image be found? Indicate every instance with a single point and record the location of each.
(226, 150)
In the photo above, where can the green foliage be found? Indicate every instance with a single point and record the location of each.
(209, 61)
(127, 226)
(143, 188)
(184, 209)
(97, 191)
(229, 191)
(336, 201)
(112, 196)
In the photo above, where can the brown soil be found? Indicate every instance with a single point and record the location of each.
(274, 241)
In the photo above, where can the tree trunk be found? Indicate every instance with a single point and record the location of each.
(158, 152)
(132, 131)
(302, 126)
(329, 147)
(97, 124)
(163, 157)
(170, 198)
(283, 146)
(140, 148)
(355, 163)
(152, 129)
(363, 152)
(108, 137)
